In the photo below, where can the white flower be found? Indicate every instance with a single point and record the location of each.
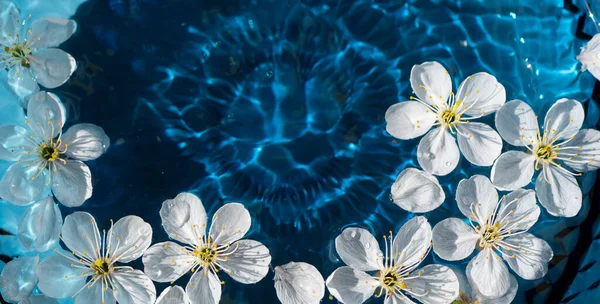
(90, 273)
(470, 294)
(559, 142)
(436, 106)
(173, 295)
(18, 279)
(43, 155)
(299, 283)
(417, 191)
(185, 220)
(395, 277)
(590, 56)
(40, 225)
(496, 226)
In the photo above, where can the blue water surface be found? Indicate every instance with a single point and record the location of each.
(279, 105)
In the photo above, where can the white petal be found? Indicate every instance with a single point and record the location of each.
(80, 234)
(52, 67)
(173, 295)
(350, 286)
(204, 288)
(431, 82)
(481, 94)
(57, 278)
(18, 278)
(299, 283)
(476, 194)
(40, 225)
(72, 183)
(184, 218)
(8, 14)
(417, 191)
(586, 147)
(359, 249)
(589, 56)
(453, 239)
(517, 123)
(437, 152)
(488, 274)
(480, 144)
(435, 284)
(229, 224)
(21, 81)
(398, 298)
(409, 119)
(512, 170)
(508, 297)
(167, 261)
(133, 287)
(519, 207)
(50, 31)
(249, 263)
(46, 112)
(39, 299)
(19, 185)
(531, 263)
(13, 142)
(86, 141)
(558, 192)
(564, 119)
(133, 236)
(94, 293)
(412, 241)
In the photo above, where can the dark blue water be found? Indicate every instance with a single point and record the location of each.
(279, 105)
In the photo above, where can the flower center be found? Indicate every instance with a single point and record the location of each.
(206, 255)
(545, 152)
(19, 53)
(490, 233)
(49, 153)
(391, 279)
(448, 117)
(101, 267)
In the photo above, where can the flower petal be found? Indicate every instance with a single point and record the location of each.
(299, 283)
(133, 237)
(13, 142)
(398, 298)
(434, 284)
(229, 224)
(508, 297)
(80, 234)
(409, 119)
(18, 278)
(589, 56)
(249, 263)
(476, 195)
(517, 123)
(412, 241)
(57, 278)
(21, 81)
(558, 192)
(167, 261)
(204, 288)
(480, 145)
(481, 94)
(585, 152)
(359, 249)
(173, 295)
(40, 225)
(564, 119)
(39, 299)
(417, 191)
(19, 185)
(453, 239)
(349, 285)
(512, 170)
(531, 262)
(52, 67)
(184, 218)
(8, 14)
(519, 207)
(72, 183)
(95, 293)
(46, 114)
(487, 272)
(133, 287)
(431, 82)
(437, 152)
(86, 141)
(50, 32)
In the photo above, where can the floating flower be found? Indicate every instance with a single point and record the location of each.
(40, 225)
(560, 142)
(18, 278)
(28, 52)
(173, 295)
(90, 273)
(299, 283)
(436, 106)
(43, 155)
(470, 295)
(496, 227)
(185, 220)
(417, 191)
(395, 277)
(590, 56)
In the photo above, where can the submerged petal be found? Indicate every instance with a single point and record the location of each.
(133, 237)
(436, 284)
(409, 119)
(39, 299)
(58, 279)
(299, 283)
(18, 278)
(249, 263)
(412, 241)
(431, 82)
(80, 234)
(204, 288)
(479, 143)
(12, 141)
(558, 192)
(167, 261)
(230, 223)
(453, 239)
(476, 195)
(417, 191)
(86, 141)
(173, 295)
(488, 274)
(517, 123)
(40, 225)
(19, 184)
(531, 262)
(132, 287)
(50, 32)
(46, 114)
(184, 218)
(21, 81)
(359, 249)
(564, 119)
(480, 94)
(72, 183)
(350, 286)
(585, 152)
(52, 67)
(437, 152)
(512, 170)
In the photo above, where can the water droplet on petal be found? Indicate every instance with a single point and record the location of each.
(353, 234)
(448, 164)
(368, 246)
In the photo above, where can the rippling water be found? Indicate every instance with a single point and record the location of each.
(279, 105)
